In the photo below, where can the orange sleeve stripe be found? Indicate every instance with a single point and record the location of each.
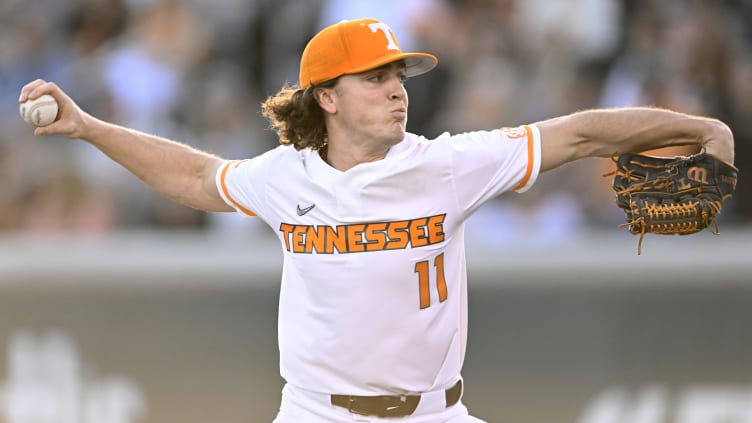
(227, 192)
(530, 158)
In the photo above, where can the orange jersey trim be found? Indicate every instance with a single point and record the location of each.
(530, 158)
(227, 191)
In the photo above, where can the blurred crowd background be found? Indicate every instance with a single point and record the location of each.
(197, 71)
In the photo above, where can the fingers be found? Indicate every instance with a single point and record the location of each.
(28, 88)
(50, 129)
(38, 87)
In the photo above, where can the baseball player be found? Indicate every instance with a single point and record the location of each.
(373, 303)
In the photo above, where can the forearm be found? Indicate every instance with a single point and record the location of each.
(175, 170)
(613, 131)
(606, 132)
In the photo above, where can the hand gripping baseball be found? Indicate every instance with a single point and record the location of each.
(70, 118)
(673, 195)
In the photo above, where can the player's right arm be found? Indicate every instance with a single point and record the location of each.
(175, 170)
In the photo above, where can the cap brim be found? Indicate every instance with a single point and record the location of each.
(415, 63)
(419, 63)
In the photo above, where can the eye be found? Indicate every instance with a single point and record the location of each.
(403, 78)
(376, 77)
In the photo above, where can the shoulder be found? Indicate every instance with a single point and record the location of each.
(417, 145)
(277, 155)
(481, 139)
(283, 152)
(448, 144)
(262, 166)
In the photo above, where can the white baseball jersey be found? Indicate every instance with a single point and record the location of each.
(374, 289)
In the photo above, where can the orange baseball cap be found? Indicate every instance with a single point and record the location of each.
(356, 46)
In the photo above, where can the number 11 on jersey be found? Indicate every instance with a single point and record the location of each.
(422, 269)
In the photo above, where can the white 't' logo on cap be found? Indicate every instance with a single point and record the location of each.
(380, 26)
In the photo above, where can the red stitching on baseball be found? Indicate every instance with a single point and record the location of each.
(32, 109)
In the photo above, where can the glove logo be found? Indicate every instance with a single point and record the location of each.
(698, 174)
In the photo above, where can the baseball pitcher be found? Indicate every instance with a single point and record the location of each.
(370, 218)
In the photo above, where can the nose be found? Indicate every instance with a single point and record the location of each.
(397, 89)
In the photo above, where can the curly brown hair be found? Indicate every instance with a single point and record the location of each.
(296, 117)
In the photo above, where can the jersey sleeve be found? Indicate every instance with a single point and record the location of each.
(231, 190)
(242, 183)
(488, 163)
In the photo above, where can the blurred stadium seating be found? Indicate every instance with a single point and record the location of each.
(118, 306)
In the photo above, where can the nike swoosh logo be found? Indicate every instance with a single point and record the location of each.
(301, 212)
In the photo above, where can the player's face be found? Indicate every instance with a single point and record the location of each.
(373, 105)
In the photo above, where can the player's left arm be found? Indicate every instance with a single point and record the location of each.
(606, 132)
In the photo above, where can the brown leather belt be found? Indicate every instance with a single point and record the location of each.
(391, 405)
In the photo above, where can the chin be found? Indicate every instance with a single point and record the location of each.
(399, 133)
(397, 137)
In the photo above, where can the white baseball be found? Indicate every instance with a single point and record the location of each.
(41, 111)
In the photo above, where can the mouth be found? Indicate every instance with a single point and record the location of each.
(400, 112)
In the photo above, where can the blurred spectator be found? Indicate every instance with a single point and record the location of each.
(196, 70)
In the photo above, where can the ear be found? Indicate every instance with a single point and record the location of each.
(326, 99)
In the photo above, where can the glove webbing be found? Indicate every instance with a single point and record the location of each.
(668, 218)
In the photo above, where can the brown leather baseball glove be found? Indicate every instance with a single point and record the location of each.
(672, 195)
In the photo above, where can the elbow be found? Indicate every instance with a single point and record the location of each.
(720, 141)
(198, 189)
(722, 132)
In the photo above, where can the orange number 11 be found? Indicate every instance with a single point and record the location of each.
(421, 268)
